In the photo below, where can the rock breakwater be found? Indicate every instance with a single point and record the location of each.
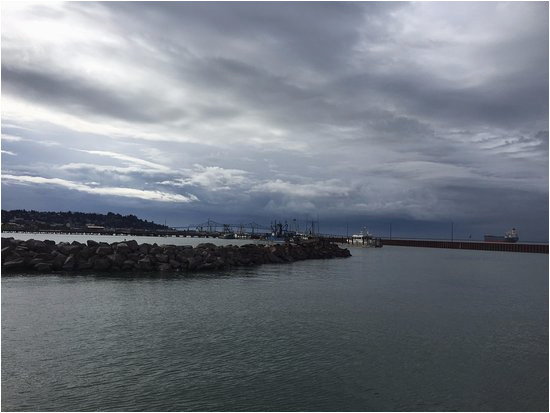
(47, 256)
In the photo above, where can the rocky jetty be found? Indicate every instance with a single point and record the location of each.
(47, 256)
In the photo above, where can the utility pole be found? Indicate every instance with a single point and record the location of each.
(318, 228)
(390, 230)
(452, 230)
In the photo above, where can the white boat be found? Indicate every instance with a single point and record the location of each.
(363, 234)
(365, 238)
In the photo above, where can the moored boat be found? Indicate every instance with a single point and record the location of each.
(365, 238)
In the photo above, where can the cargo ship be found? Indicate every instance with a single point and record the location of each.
(510, 236)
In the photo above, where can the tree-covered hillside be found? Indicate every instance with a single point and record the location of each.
(76, 219)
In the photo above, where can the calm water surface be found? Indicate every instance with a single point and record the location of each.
(388, 329)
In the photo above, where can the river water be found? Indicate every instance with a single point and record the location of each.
(395, 328)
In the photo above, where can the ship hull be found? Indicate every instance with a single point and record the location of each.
(496, 238)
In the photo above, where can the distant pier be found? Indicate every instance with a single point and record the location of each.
(469, 245)
(456, 244)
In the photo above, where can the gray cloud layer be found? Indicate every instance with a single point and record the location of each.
(365, 112)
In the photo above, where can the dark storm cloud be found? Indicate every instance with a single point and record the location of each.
(376, 111)
(301, 32)
(73, 93)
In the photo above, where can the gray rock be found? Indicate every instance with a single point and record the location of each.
(38, 246)
(68, 249)
(5, 241)
(144, 264)
(69, 263)
(116, 258)
(165, 267)
(220, 263)
(43, 267)
(206, 245)
(144, 248)
(134, 256)
(104, 250)
(44, 256)
(122, 248)
(162, 258)
(9, 265)
(192, 264)
(102, 264)
(84, 265)
(86, 252)
(42, 259)
(186, 253)
(184, 264)
(155, 249)
(58, 260)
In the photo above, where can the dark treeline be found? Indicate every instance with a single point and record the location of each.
(77, 219)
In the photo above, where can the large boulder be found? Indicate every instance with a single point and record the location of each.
(68, 249)
(206, 245)
(43, 267)
(164, 267)
(69, 263)
(14, 264)
(193, 263)
(86, 252)
(134, 256)
(102, 264)
(162, 258)
(186, 253)
(122, 248)
(7, 241)
(38, 246)
(144, 264)
(58, 260)
(117, 258)
(144, 248)
(209, 258)
(104, 250)
(83, 264)
(132, 244)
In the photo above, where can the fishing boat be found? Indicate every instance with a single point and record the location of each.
(365, 238)
(362, 235)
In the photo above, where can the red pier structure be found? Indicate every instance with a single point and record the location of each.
(469, 245)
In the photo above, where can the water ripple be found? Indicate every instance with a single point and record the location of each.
(391, 329)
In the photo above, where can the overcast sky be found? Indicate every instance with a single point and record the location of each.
(416, 114)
